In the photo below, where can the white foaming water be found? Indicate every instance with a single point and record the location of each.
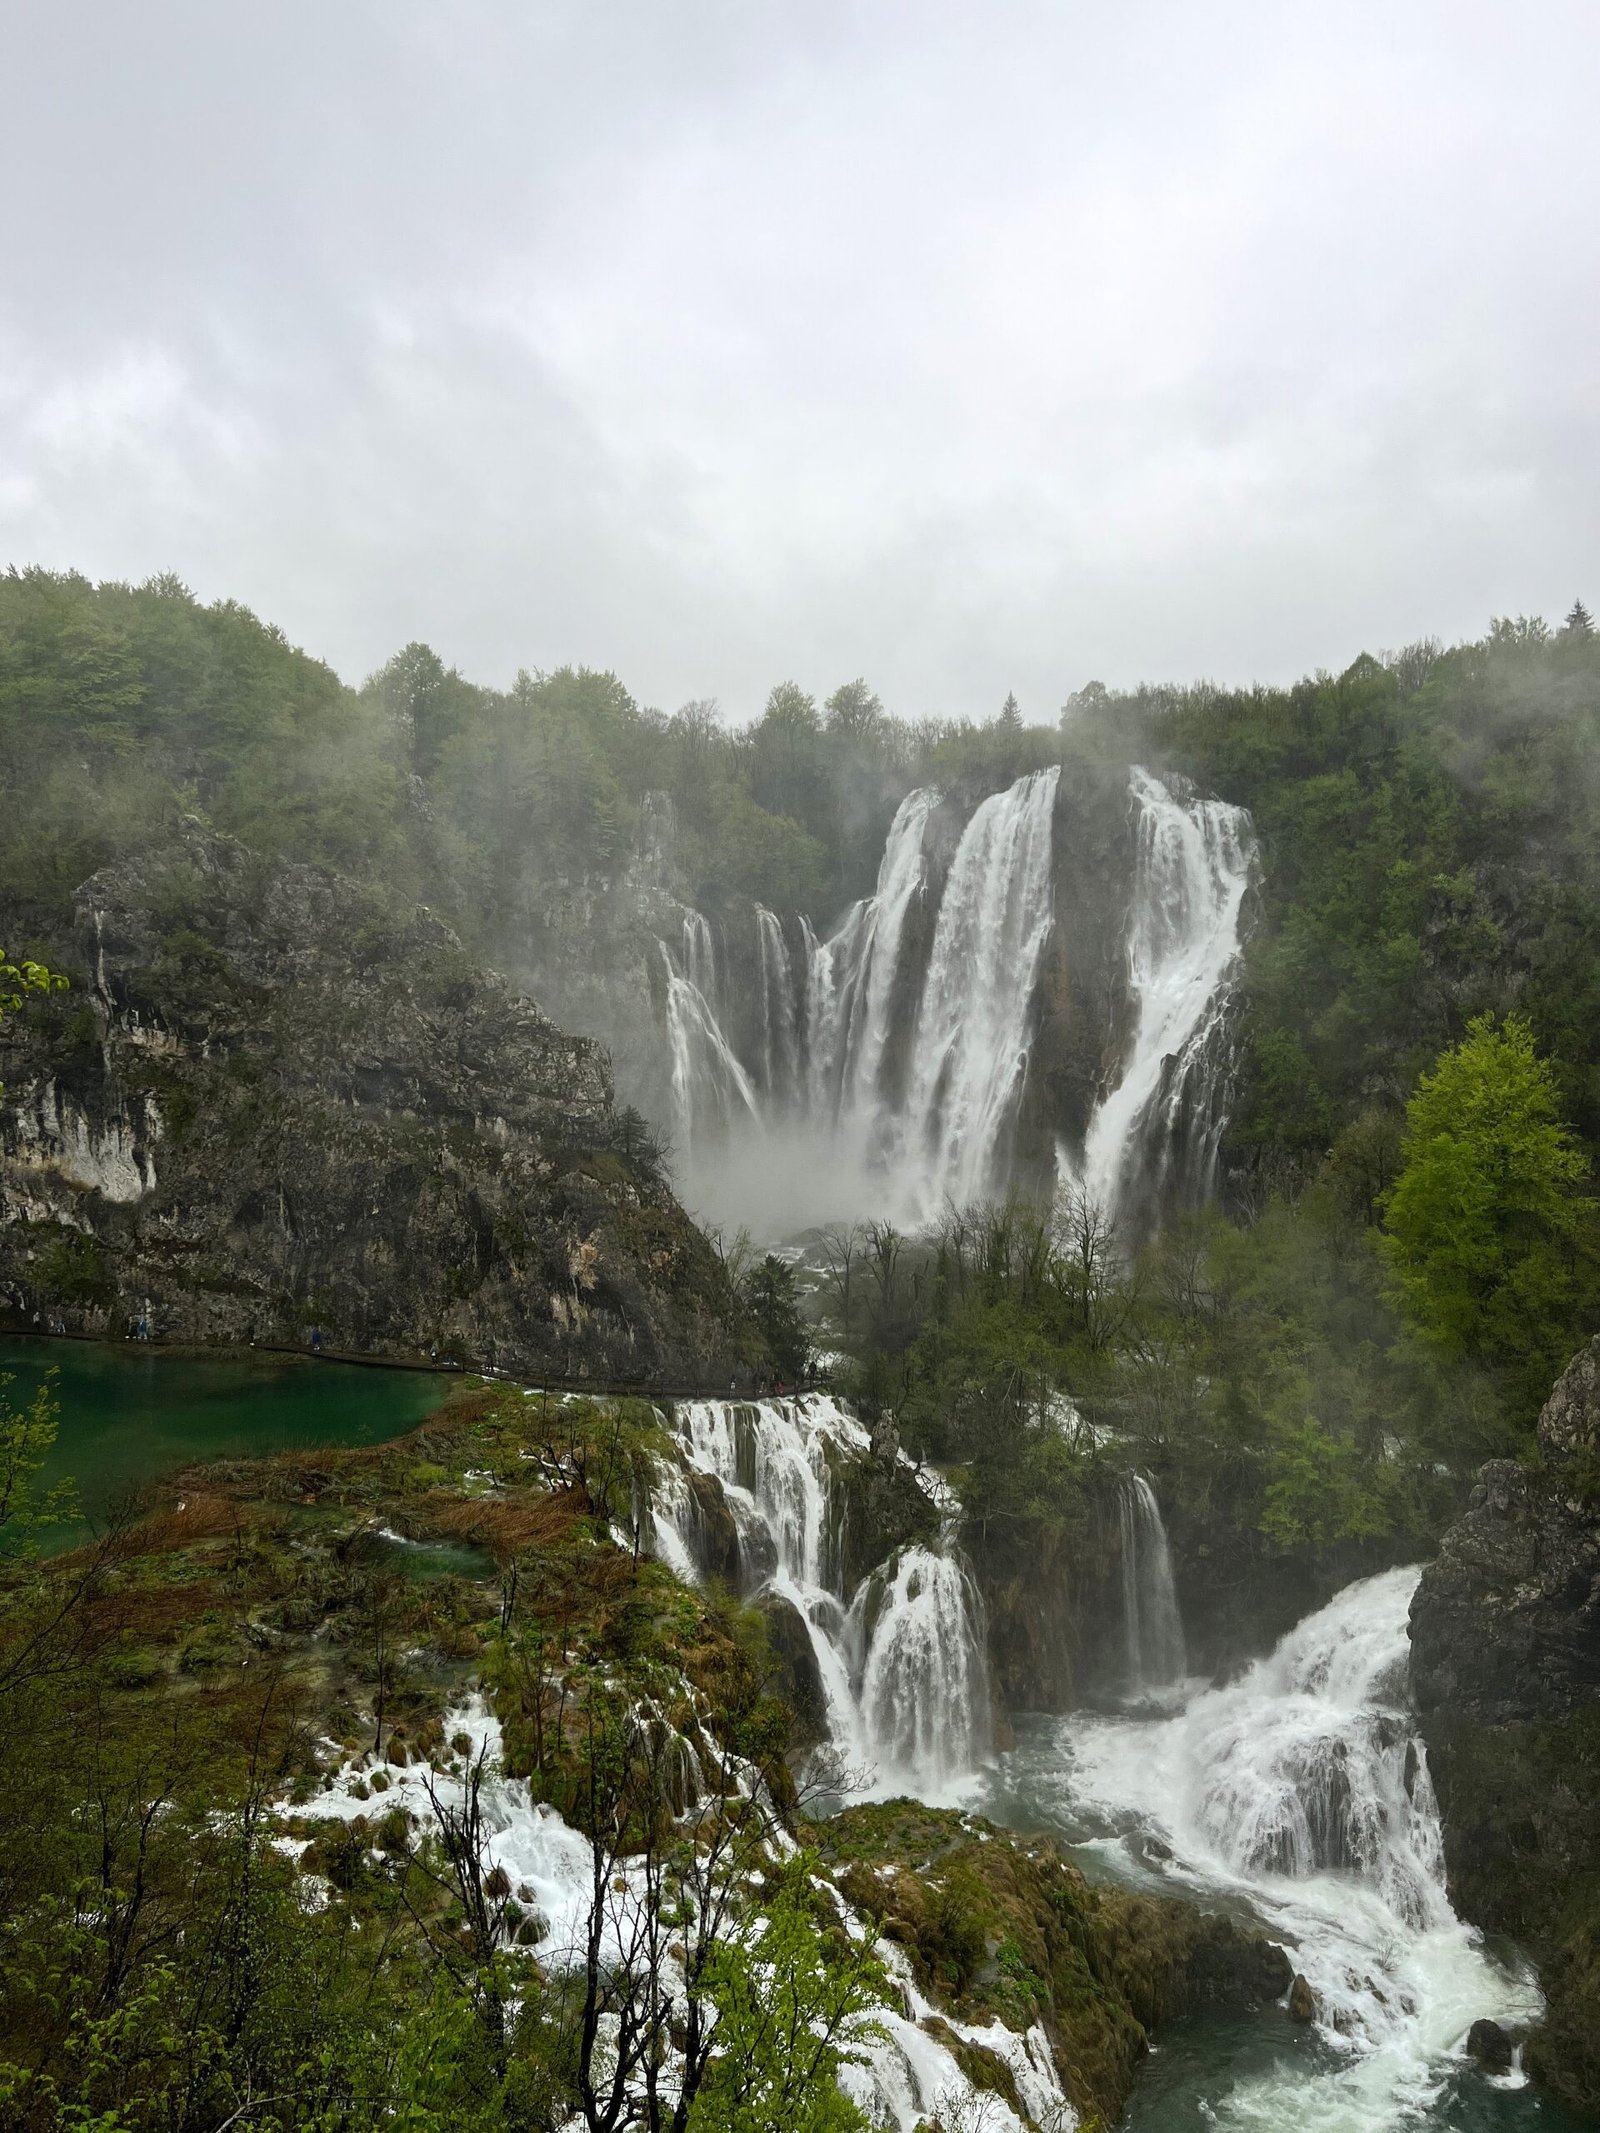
(902, 1660)
(889, 1065)
(902, 2076)
(924, 1697)
(780, 1038)
(710, 1089)
(1302, 1790)
(700, 959)
(970, 1049)
(854, 975)
(1152, 1627)
(1194, 863)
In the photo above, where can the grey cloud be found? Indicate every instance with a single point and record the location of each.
(969, 349)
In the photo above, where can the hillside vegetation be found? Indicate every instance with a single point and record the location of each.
(1406, 1250)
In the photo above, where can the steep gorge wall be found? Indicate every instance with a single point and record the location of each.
(269, 1104)
(1505, 1641)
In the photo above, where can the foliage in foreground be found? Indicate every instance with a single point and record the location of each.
(167, 1696)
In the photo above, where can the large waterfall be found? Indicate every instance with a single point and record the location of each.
(901, 1660)
(1302, 1791)
(970, 1046)
(890, 1067)
(1193, 868)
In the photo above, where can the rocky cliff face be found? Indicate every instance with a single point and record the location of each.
(269, 1103)
(1505, 1632)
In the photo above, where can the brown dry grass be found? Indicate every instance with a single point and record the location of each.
(505, 1525)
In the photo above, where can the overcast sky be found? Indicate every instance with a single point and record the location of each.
(969, 348)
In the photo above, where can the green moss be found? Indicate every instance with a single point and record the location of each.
(1004, 1929)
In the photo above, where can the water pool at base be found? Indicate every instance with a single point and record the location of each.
(130, 1412)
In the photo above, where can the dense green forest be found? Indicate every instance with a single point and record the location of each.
(1405, 1253)
(1428, 822)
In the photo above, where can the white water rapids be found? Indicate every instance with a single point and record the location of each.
(886, 1069)
(901, 1659)
(1300, 1794)
(899, 2072)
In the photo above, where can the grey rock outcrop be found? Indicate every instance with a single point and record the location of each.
(1505, 1630)
(1506, 1623)
(270, 1103)
(799, 1677)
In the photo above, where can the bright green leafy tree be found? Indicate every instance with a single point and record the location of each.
(27, 1436)
(793, 2007)
(20, 978)
(1489, 1234)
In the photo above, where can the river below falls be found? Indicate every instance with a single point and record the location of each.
(1296, 1795)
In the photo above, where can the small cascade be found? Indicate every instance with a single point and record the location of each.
(780, 1037)
(1194, 863)
(902, 1668)
(1311, 1764)
(863, 966)
(700, 959)
(1152, 1626)
(825, 1011)
(710, 1089)
(925, 1683)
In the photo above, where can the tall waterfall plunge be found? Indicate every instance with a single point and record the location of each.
(1166, 1111)
(894, 1065)
(901, 1660)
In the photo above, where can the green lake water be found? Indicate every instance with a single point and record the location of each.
(130, 1412)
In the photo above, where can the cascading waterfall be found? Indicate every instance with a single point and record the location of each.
(970, 1051)
(1193, 867)
(710, 1089)
(910, 2060)
(1302, 1789)
(780, 1037)
(850, 1012)
(895, 1055)
(902, 1666)
(700, 959)
(925, 1685)
(1152, 1626)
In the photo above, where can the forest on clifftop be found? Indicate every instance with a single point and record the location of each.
(1405, 1252)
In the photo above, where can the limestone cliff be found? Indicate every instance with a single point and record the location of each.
(270, 1102)
(1505, 1631)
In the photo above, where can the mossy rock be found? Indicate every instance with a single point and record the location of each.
(1004, 1929)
